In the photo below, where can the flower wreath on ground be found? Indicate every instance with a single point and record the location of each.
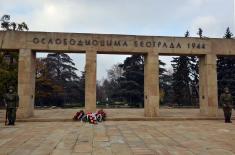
(92, 118)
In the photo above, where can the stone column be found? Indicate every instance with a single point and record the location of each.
(203, 96)
(208, 85)
(151, 85)
(90, 83)
(26, 83)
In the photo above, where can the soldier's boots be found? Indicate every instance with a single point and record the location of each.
(11, 122)
(228, 120)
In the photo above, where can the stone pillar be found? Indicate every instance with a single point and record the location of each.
(208, 85)
(26, 83)
(151, 85)
(90, 83)
(203, 96)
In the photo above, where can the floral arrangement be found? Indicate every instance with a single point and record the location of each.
(90, 117)
(79, 115)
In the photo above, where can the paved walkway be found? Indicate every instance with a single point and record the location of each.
(119, 138)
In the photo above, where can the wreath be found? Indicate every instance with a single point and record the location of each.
(90, 117)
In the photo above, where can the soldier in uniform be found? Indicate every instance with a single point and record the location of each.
(226, 101)
(11, 100)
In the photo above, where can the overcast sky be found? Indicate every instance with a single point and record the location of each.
(141, 17)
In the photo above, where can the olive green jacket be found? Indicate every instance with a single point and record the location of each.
(226, 100)
(11, 100)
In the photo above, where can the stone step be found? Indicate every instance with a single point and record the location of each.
(123, 119)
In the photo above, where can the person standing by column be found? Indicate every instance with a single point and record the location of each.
(11, 100)
(226, 100)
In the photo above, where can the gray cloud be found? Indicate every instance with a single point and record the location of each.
(149, 17)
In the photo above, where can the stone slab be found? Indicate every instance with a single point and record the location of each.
(167, 137)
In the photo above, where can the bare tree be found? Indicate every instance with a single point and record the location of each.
(115, 72)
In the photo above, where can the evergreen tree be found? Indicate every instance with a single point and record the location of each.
(61, 67)
(187, 34)
(194, 82)
(181, 80)
(226, 69)
(228, 33)
(57, 81)
(185, 77)
(130, 86)
(200, 31)
(194, 74)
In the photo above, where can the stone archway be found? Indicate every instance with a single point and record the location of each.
(91, 44)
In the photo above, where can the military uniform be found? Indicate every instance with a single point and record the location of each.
(12, 102)
(226, 101)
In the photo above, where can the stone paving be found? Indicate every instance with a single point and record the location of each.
(119, 138)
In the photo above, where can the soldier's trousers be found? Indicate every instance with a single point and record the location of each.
(227, 114)
(11, 115)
